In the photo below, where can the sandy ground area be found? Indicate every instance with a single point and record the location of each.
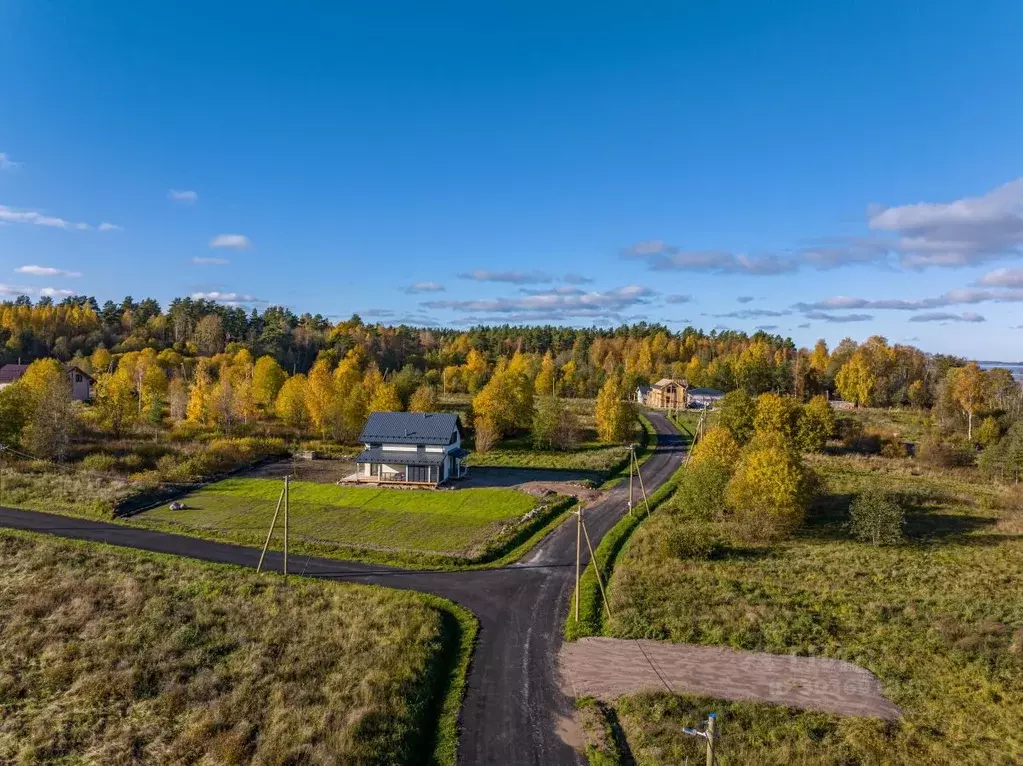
(606, 668)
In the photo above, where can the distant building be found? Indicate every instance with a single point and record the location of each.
(81, 381)
(703, 398)
(642, 394)
(667, 394)
(422, 448)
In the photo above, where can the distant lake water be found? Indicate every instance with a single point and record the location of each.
(1015, 369)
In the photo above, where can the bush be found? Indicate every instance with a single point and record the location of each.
(770, 491)
(691, 540)
(701, 491)
(939, 453)
(875, 517)
(894, 448)
(99, 462)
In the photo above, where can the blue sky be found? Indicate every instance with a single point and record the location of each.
(818, 169)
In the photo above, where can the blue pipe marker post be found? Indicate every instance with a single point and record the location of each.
(709, 733)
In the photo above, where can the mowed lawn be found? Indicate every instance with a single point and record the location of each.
(113, 656)
(431, 521)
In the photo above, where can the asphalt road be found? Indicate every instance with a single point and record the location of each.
(513, 704)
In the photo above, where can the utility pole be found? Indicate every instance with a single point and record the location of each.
(646, 501)
(273, 523)
(578, 554)
(593, 560)
(632, 462)
(287, 499)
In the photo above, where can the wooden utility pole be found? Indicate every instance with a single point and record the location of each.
(269, 534)
(596, 569)
(632, 462)
(646, 501)
(287, 499)
(578, 554)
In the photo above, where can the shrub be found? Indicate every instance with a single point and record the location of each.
(770, 491)
(894, 448)
(691, 540)
(701, 491)
(939, 453)
(989, 432)
(875, 517)
(737, 411)
(777, 413)
(718, 445)
(816, 425)
(99, 462)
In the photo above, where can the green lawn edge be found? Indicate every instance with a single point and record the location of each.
(446, 682)
(591, 605)
(452, 681)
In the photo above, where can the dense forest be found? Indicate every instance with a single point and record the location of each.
(76, 328)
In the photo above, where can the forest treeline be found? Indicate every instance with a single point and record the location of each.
(73, 330)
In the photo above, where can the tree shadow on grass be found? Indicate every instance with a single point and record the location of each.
(828, 518)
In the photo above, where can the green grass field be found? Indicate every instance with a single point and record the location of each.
(939, 620)
(457, 522)
(114, 656)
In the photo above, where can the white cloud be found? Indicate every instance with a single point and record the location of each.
(677, 298)
(16, 290)
(35, 218)
(109, 227)
(552, 305)
(512, 277)
(752, 314)
(424, 287)
(822, 255)
(185, 196)
(6, 163)
(230, 298)
(235, 241)
(964, 232)
(1002, 278)
(966, 296)
(210, 261)
(940, 316)
(53, 292)
(46, 271)
(838, 318)
(745, 298)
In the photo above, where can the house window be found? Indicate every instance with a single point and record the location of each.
(374, 469)
(418, 473)
(78, 377)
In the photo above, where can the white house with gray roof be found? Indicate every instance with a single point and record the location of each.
(423, 448)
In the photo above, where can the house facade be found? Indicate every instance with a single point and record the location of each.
(667, 394)
(418, 448)
(81, 381)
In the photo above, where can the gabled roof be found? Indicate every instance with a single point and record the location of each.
(76, 368)
(667, 381)
(409, 428)
(12, 372)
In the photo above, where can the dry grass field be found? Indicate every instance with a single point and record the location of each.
(116, 657)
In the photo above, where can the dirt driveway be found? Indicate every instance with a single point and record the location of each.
(607, 668)
(536, 481)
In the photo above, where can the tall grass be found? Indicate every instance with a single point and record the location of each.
(112, 656)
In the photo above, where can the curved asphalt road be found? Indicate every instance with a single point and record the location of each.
(513, 705)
